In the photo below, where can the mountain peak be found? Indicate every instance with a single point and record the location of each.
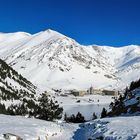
(50, 30)
(51, 59)
(49, 33)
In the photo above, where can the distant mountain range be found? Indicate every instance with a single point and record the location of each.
(52, 60)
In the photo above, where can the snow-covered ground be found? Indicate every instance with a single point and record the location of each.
(31, 129)
(116, 128)
(87, 106)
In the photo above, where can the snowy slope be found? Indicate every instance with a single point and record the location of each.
(31, 129)
(115, 128)
(127, 105)
(52, 60)
(13, 87)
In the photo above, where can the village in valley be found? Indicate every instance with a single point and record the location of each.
(90, 91)
(74, 100)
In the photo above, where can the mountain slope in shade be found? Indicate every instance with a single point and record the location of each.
(52, 60)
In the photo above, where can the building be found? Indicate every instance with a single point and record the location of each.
(97, 91)
(79, 93)
(102, 92)
(110, 92)
(91, 90)
(94, 91)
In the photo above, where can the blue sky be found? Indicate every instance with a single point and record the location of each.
(102, 22)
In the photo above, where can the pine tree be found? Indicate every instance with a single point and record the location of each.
(111, 105)
(72, 118)
(2, 109)
(126, 92)
(104, 113)
(79, 118)
(65, 117)
(94, 116)
(48, 109)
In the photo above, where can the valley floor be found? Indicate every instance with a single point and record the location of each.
(86, 105)
(116, 128)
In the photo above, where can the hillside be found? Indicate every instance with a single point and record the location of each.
(13, 87)
(128, 103)
(52, 60)
(115, 128)
(18, 96)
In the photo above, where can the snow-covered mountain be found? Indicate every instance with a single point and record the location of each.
(52, 60)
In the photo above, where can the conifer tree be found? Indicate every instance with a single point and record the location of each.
(79, 118)
(94, 116)
(48, 109)
(104, 113)
(65, 117)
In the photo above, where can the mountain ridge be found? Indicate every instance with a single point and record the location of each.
(52, 60)
(52, 30)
